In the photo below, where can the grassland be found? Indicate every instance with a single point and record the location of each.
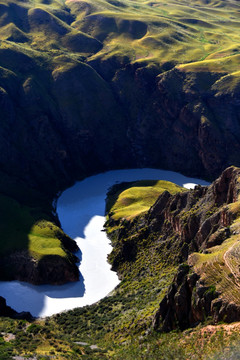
(24, 228)
(166, 31)
(219, 266)
(137, 198)
(149, 31)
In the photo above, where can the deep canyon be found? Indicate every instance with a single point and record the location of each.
(69, 110)
(88, 87)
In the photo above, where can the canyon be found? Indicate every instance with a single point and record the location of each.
(75, 103)
(88, 87)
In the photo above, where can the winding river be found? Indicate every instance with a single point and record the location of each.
(81, 211)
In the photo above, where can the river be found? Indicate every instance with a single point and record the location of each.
(81, 211)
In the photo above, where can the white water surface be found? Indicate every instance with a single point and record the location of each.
(81, 211)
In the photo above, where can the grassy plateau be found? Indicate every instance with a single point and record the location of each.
(137, 198)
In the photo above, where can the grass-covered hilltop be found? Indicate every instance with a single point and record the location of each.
(89, 86)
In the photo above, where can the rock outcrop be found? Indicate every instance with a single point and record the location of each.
(189, 302)
(199, 218)
(6, 310)
(50, 269)
(186, 304)
(183, 223)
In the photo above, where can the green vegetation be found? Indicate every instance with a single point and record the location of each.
(222, 65)
(120, 325)
(56, 337)
(23, 227)
(141, 30)
(30, 235)
(215, 271)
(138, 197)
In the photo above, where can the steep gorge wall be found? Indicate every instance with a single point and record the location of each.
(71, 123)
(64, 122)
(201, 227)
(71, 119)
(180, 120)
(59, 126)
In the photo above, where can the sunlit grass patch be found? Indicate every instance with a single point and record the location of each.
(196, 31)
(227, 64)
(21, 229)
(43, 240)
(140, 197)
(213, 267)
(228, 84)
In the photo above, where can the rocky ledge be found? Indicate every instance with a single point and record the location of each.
(47, 269)
(189, 301)
(50, 269)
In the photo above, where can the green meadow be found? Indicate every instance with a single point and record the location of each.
(25, 228)
(137, 198)
(143, 31)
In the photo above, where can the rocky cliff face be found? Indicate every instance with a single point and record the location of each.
(197, 219)
(200, 227)
(50, 269)
(74, 123)
(178, 118)
(189, 301)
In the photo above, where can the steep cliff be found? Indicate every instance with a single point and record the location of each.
(184, 118)
(76, 100)
(200, 227)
